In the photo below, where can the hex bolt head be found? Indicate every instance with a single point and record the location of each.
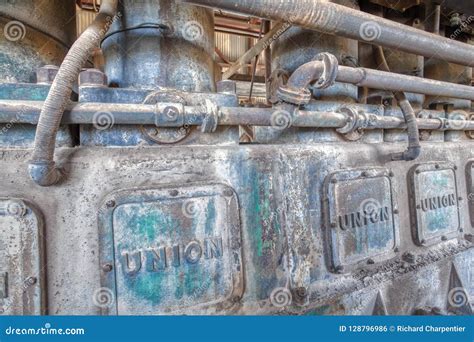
(228, 193)
(409, 257)
(110, 204)
(469, 237)
(107, 268)
(301, 292)
(46, 74)
(92, 77)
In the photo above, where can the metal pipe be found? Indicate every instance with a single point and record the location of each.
(332, 18)
(414, 149)
(377, 79)
(42, 168)
(268, 60)
(28, 112)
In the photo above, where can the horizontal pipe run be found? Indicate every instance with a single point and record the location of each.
(376, 79)
(331, 18)
(27, 112)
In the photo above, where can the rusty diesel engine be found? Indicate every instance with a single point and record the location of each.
(220, 157)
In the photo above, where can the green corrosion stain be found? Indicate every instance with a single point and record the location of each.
(260, 201)
(141, 227)
(211, 217)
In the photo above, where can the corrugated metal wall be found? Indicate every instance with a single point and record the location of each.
(233, 47)
(84, 19)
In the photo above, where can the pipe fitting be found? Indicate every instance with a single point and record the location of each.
(320, 73)
(45, 173)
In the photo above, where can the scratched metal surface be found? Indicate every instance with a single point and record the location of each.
(282, 225)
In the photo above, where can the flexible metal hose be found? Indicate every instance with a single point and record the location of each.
(42, 168)
(414, 148)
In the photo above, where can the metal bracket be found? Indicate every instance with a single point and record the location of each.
(352, 131)
(331, 65)
(211, 120)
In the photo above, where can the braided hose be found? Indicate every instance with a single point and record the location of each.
(42, 168)
(414, 147)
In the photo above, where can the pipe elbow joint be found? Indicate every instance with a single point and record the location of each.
(45, 173)
(412, 153)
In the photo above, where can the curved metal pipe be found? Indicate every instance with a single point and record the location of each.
(42, 168)
(336, 19)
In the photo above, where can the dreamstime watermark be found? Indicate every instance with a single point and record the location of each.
(192, 31)
(281, 297)
(191, 208)
(103, 120)
(14, 31)
(46, 330)
(103, 298)
(14, 208)
(370, 31)
(370, 208)
(462, 27)
(8, 302)
(281, 119)
(109, 22)
(171, 114)
(458, 297)
(286, 25)
(459, 120)
(273, 215)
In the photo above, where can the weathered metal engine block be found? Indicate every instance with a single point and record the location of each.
(152, 206)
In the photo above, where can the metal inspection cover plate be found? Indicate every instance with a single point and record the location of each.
(470, 189)
(361, 218)
(434, 203)
(21, 253)
(171, 249)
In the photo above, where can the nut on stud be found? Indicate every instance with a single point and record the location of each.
(46, 74)
(92, 77)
